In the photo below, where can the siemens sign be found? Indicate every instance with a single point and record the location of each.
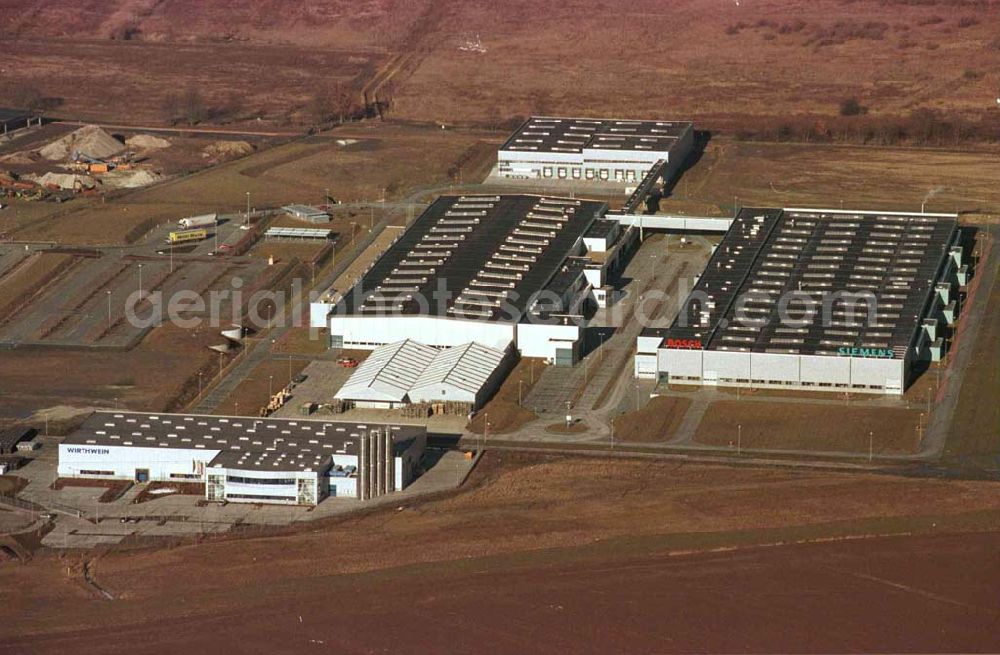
(879, 353)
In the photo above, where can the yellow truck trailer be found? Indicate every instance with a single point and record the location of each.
(183, 236)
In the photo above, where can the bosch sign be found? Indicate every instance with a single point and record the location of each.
(683, 343)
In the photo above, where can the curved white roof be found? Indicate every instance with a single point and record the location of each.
(465, 367)
(389, 372)
(407, 370)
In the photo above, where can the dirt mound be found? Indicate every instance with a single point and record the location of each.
(66, 181)
(130, 179)
(89, 140)
(147, 142)
(20, 158)
(227, 149)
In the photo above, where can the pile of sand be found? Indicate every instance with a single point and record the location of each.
(89, 140)
(67, 181)
(131, 179)
(20, 158)
(227, 149)
(146, 142)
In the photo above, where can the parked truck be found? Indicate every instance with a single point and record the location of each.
(205, 220)
(183, 236)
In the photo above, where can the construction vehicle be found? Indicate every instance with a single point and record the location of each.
(205, 220)
(183, 236)
(347, 362)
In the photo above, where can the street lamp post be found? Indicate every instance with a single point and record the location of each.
(109, 310)
(739, 439)
(140, 281)
(871, 445)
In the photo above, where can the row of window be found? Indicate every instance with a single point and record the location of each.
(241, 480)
(83, 472)
(185, 476)
(779, 383)
(562, 172)
(260, 497)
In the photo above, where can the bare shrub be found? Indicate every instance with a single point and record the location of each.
(851, 107)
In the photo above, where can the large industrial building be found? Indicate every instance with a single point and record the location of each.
(825, 300)
(595, 149)
(244, 459)
(491, 269)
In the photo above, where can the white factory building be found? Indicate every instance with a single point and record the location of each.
(815, 299)
(407, 372)
(492, 269)
(616, 151)
(244, 459)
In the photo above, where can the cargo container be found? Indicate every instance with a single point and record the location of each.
(204, 220)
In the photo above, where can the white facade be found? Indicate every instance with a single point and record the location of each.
(776, 370)
(237, 485)
(133, 462)
(370, 332)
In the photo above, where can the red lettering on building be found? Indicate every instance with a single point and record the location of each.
(684, 343)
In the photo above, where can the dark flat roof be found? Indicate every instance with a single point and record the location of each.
(602, 228)
(766, 253)
(572, 135)
(478, 246)
(246, 442)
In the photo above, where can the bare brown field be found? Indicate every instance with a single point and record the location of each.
(722, 64)
(11, 484)
(252, 394)
(974, 438)
(727, 65)
(503, 412)
(284, 251)
(818, 175)
(657, 421)
(303, 341)
(130, 81)
(801, 426)
(147, 378)
(538, 524)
